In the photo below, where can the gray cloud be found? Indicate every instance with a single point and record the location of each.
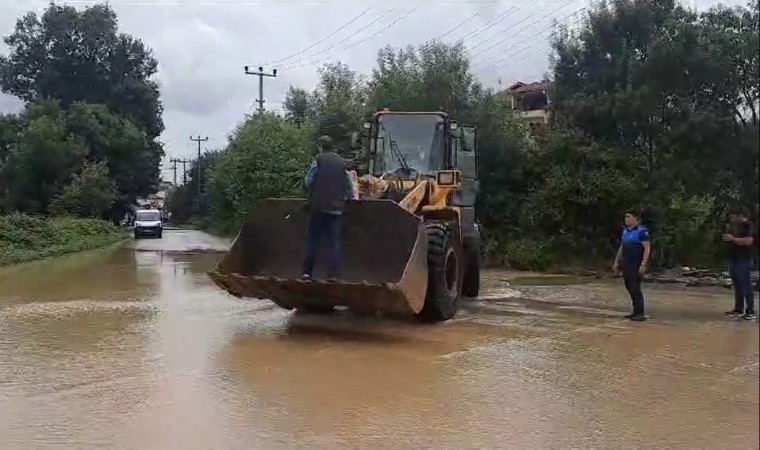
(202, 47)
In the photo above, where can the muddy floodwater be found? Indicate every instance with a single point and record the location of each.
(133, 348)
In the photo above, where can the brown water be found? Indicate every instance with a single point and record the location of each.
(133, 348)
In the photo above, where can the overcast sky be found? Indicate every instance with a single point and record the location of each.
(202, 47)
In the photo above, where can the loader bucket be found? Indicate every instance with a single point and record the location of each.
(383, 259)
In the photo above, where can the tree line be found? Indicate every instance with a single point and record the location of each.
(655, 107)
(86, 143)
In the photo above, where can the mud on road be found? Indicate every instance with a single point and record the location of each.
(133, 348)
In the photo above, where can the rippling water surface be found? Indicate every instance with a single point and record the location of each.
(134, 348)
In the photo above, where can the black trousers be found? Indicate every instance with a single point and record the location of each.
(741, 278)
(328, 226)
(632, 279)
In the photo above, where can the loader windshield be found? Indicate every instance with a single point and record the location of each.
(409, 141)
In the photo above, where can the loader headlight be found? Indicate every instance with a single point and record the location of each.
(447, 178)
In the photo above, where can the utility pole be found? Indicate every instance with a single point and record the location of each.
(198, 166)
(174, 162)
(261, 74)
(184, 163)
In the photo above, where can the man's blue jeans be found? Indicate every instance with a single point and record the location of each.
(328, 226)
(744, 296)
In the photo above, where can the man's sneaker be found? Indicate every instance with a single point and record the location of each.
(639, 318)
(628, 316)
(306, 277)
(733, 313)
(749, 316)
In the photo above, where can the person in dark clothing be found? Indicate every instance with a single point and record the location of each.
(329, 185)
(739, 240)
(632, 259)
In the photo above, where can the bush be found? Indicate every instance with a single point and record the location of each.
(267, 157)
(25, 238)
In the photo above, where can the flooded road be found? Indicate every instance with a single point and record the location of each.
(133, 348)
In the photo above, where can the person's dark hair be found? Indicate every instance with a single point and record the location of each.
(634, 212)
(325, 143)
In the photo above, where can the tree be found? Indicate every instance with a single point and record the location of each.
(266, 157)
(119, 143)
(90, 193)
(42, 161)
(183, 201)
(78, 55)
(433, 77)
(299, 105)
(339, 104)
(664, 93)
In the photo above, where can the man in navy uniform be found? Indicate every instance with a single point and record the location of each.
(739, 240)
(632, 259)
(329, 185)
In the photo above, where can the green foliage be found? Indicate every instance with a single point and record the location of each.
(90, 99)
(79, 55)
(339, 105)
(25, 238)
(183, 201)
(266, 157)
(655, 107)
(433, 77)
(41, 161)
(667, 100)
(120, 144)
(90, 193)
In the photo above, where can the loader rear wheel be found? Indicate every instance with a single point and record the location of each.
(445, 273)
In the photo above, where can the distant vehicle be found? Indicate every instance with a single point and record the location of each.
(148, 223)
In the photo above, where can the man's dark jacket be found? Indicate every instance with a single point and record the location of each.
(330, 187)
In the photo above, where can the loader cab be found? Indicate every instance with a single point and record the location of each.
(420, 144)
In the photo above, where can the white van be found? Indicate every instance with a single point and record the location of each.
(148, 223)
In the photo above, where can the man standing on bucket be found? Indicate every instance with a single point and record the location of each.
(633, 257)
(739, 240)
(329, 187)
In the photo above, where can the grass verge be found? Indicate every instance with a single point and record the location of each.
(26, 238)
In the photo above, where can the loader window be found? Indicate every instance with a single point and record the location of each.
(466, 157)
(412, 140)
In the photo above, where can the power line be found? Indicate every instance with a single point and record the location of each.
(500, 33)
(544, 31)
(399, 19)
(295, 64)
(490, 24)
(518, 31)
(457, 26)
(341, 28)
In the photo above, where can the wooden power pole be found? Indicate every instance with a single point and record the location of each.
(198, 165)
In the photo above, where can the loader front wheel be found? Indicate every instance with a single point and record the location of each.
(445, 262)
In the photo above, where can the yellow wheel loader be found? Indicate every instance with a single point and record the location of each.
(410, 246)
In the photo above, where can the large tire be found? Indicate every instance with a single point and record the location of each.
(445, 262)
(160, 234)
(471, 282)
(137, 235)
